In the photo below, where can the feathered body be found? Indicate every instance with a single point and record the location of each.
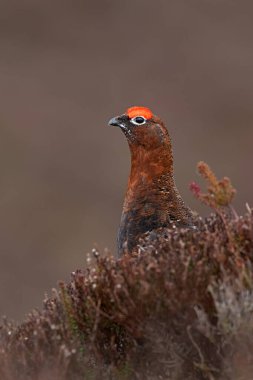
(152, 199)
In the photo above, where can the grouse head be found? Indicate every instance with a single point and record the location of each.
(142, 128)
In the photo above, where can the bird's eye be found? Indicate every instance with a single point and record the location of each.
(138, 120)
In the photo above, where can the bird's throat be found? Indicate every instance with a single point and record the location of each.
(151, 177)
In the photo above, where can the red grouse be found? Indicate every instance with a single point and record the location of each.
(152, 199)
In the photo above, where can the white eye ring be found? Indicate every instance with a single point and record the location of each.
(138, 120)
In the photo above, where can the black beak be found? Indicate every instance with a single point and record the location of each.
(115, 122)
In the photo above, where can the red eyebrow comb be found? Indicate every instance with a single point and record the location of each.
(139, 111)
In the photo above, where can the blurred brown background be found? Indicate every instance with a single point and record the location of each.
(66, 67)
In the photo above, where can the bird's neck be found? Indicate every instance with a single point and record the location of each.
(151, 176)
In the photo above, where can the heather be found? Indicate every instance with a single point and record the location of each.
(179, 307)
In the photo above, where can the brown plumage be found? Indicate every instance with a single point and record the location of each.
(152, 199)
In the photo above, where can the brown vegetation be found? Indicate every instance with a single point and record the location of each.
(178, 308)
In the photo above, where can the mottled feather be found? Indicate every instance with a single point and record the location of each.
(152, 199)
